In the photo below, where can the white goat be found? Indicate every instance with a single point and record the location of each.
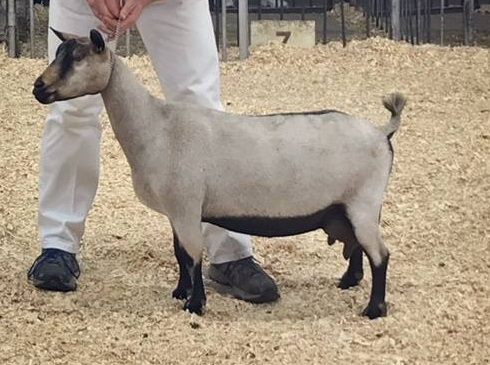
(275, 175)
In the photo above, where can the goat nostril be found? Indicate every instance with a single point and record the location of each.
(39, 83)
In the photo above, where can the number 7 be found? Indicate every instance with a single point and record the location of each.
(285, 34)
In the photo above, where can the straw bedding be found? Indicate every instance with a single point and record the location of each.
(435, 222)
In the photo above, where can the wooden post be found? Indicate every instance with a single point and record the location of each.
(468, 9)
(395, 19)
(11, 31)
(243, 41)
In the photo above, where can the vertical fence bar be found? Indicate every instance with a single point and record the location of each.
(404, 21)
(388, 15)
(243, 41)
(342, 19)
(385, 15)
(325, 7)
(11, 31)
(442, 23)
(368, 18)
(417, 20)
(429, 21)
(410, 20)
(380, 9)
(395, 19)
(224, 56)
(380, 14)
(468, 8)
(217, 4)
(128, 42)
(411, 30)
(31, 27)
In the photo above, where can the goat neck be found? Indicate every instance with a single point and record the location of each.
(131, 110)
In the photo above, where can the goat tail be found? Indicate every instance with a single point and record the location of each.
(395, 103)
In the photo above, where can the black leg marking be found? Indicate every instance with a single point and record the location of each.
(354, 273)
(197, 301)
(184, 287)
(377, 305)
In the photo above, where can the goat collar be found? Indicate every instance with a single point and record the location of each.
(112, 62)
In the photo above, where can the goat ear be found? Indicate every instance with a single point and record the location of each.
(63, 36)
(97, 41)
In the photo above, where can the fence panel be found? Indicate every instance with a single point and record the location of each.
(416, 21)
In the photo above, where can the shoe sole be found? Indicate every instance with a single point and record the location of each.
(238, 293)
(54, 284)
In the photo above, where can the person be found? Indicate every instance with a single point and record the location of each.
(179, 38)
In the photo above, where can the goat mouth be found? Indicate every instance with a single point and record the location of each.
(43, 96)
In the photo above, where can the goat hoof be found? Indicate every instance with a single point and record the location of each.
(376, 310)
(193, 307)
(350, 279)
(180, 293)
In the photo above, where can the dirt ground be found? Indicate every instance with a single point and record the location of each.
(435, 222)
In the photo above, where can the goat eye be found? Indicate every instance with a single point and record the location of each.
(77, 56)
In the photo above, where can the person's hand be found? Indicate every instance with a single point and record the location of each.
(130, 12)
(108, 12)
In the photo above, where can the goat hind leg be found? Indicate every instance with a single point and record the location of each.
(366, 228)
(377, 305)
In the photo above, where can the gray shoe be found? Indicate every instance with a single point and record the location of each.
(248, 281)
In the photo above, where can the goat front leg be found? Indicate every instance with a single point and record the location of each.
(184, 286)
(188, 245)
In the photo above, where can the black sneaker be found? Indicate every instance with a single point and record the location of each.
(56, 270)
(248, 281)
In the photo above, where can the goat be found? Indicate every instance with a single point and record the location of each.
(275, 175)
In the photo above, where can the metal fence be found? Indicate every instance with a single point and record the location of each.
(260, 9)
(409, 20)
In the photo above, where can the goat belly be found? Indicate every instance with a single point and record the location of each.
(279, 226)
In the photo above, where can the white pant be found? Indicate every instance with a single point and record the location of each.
(178, 35)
